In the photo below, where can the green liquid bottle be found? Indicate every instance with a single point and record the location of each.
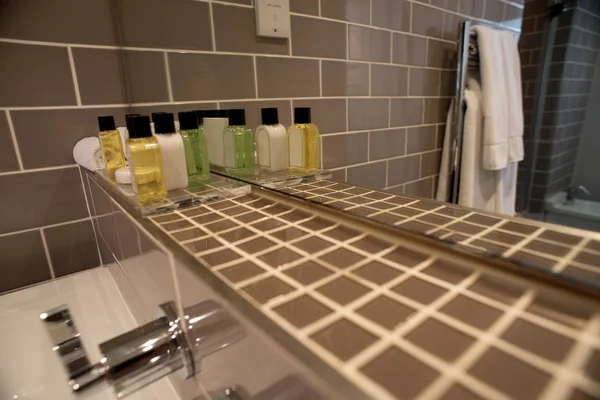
(238, 144)
(194, 143)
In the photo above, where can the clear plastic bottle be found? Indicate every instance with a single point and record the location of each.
(172, 151)
(145, 162)
(196, 155)
(238, 144)
(304, 142)
(112, 149)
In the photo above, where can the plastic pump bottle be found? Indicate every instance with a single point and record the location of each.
(145, 162)
(215, 121)
(238, 144)
(194, 142)
(112, 149)
(173, 152)
(271, 142)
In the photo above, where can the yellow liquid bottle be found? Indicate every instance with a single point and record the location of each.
(112, 149)
(304, 142)
(145, 161)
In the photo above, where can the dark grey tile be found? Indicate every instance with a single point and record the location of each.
(430, 163)
(473, 8)
(253, 118)
(386, 312)
(203, 245)
(387, 144)
(242, 38)
(368, 44)
(538, 340)
(592, 368)
(308, 34)
(35, 199)
(402, 170)
(8, 156)
(372, 174)
(345, 78)
(267, 289)
(72, 247)
(406, 257)
(459, 392)
(280, 257)
(449, 273)
(350, 339)
(391, 14)
(548, 248)
(451, 22)
(424, 82)
(519, 228)
(32, 75)
(147, 78)
(101, 76)
(406, 112)
(510, 375)
(241, 272)
(496, 290)
(420, 139)
(287, 77)
(347, 10)
(328, 114)
(302, 311)
(494, 10)
(447, 83)
(308, 272)
(165, 24)
(22, 260)
(377, 272)
(365, 114)
(419, 290)
(305, 6)
(561, 237)
(436, 110)
(341, 258)
(440, 54)
(409, 50)
(219, 257)
(313, 244)
(53, 145)
(471, 312)
(416, 376)
(564, 313)
(211, 76)
(343, 150)
(440, 340)
(387, 80)
(427, 21)
(63, 21)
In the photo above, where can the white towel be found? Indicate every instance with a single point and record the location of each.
(514, 96)
(493, 79)
(88, 153)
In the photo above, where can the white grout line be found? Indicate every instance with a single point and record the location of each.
(26, 171)
(74, 221)
(74, 75)
(321, 78)
(43, 236)
(212, 27)
(168, 76)
(13, 136)
(256, 78)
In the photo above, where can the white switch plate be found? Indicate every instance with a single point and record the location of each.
(273, 18)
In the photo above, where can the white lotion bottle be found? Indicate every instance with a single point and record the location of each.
(271, 142)
(173, 152)
(215, 122)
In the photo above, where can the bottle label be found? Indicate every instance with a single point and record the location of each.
(263, 148)
(296, 148)
(229, 149)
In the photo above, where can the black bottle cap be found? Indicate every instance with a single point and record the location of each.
(216, 114)
(127, 118)
(155, 114)
(269, 116)
(200, 114)
(237, 117)
(302, 115)
(163, 123)
(188, 120)
(139, 127)
(106, 123)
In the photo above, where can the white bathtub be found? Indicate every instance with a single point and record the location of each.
(583, 214)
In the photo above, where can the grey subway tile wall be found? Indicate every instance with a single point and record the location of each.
(359, 64)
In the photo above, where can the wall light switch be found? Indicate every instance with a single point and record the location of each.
(273, 18)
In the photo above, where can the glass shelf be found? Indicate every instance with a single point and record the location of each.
(215, 188)
(275, 180)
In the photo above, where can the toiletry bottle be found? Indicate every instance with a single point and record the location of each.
(172, 150)
(215, 121)
(145, 162)
(271, 142)
(153, 123)
(238, 144)
(196, 155)
(304, 141)
(126, 134)
(112, 149)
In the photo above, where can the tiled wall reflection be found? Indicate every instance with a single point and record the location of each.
(378, 74)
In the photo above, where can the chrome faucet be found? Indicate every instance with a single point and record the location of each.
(572, 191)
(143, 355)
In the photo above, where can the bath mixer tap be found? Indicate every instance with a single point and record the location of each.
(572, 191)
